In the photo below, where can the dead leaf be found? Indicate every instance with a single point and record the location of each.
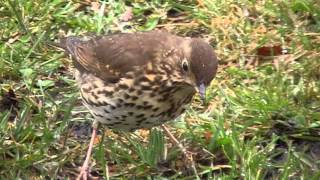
(207, 135)
(97, 140)
(274, 50)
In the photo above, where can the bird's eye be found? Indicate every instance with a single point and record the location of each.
(185, 65)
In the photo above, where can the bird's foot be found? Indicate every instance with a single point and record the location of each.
(186, 153)
(84, 171)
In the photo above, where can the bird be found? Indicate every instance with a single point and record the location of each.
(130, 81)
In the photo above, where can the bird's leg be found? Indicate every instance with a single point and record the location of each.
(85, 167)
(187, 154)
(173, 139)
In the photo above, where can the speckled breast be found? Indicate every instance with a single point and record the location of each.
(136, 101)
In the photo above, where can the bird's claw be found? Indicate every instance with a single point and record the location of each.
(83, 173)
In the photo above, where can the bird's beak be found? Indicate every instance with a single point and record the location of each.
(202, 92)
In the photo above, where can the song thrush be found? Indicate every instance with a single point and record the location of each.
(139, 80)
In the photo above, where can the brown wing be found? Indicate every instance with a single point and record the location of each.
(110, 57)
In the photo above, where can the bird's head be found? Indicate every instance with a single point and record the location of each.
(199, 65)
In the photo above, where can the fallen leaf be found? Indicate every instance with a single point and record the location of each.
(97, 140)
(269, 50)
(207, 135)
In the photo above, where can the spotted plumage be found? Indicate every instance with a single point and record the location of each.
(140, 80)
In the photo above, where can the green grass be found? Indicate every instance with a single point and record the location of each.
(262, 120)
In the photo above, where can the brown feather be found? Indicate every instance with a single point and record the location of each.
(110, 57)
(123, 73)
